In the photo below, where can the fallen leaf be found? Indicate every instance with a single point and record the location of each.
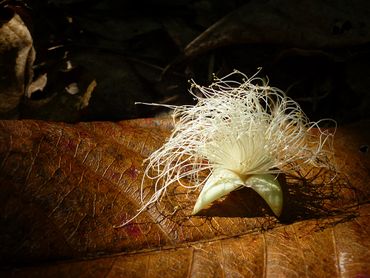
(16, 60)
(87, 95)
(72, 88)
(64, 187)
(37, 85)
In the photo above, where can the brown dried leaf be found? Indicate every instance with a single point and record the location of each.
(63, 187)
(16, 59)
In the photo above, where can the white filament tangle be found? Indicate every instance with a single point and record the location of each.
(244, 127)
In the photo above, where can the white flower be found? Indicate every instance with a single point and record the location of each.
(242, 134)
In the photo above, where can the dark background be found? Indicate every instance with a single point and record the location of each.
(316, 51)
